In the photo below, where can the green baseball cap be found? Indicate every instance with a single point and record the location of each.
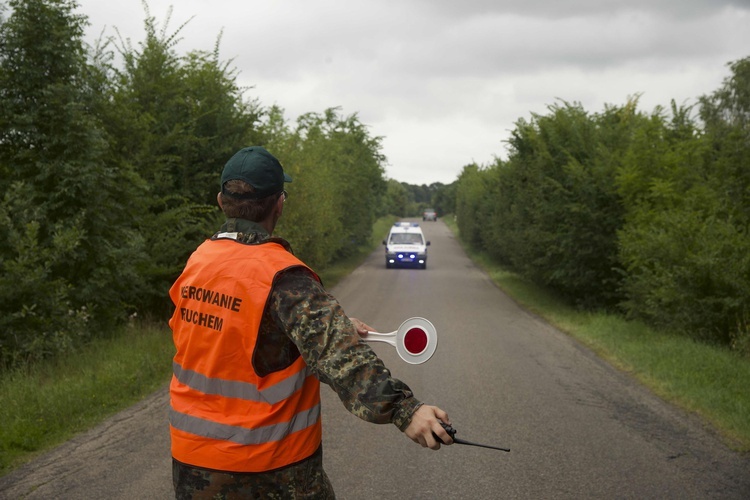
(259, 168)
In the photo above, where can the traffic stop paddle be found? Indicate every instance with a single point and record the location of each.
(415, 340)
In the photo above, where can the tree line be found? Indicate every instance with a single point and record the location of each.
(647, 214)
(110, 157)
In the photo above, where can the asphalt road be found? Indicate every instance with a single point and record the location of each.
(577, 428)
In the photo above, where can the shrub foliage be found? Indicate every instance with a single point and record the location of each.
(647, 213)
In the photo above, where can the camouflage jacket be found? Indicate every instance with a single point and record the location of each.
(302, 319)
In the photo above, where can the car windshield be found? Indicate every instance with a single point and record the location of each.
(406, 239)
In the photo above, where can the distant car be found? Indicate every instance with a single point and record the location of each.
(406, 246)
(429, 214)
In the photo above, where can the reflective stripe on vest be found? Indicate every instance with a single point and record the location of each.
(243, 435)
(241, 390)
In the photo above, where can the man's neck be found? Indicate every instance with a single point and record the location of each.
(235, 225)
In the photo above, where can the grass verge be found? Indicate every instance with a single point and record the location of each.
(46, 404)
(708, 380)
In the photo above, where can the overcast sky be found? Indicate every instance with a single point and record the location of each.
(444, 81)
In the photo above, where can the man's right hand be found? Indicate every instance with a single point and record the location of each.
(426, 421)
(361, 326)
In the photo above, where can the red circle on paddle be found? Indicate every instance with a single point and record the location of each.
(415, 340)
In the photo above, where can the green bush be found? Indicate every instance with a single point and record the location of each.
(687, 272)
(554, 210)
(649, 214)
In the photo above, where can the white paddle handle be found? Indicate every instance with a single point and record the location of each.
(388, 338)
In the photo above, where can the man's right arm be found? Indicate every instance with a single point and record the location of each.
(330, 345)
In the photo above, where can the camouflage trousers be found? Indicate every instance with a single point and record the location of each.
(303, 480)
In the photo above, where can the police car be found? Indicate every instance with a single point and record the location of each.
(406, 246)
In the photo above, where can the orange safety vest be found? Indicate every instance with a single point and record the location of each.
(224, 416)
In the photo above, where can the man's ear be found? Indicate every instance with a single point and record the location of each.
(218, 200)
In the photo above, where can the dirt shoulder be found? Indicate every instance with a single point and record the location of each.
(125, 457)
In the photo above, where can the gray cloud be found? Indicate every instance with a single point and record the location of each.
(554, 9)
(426, 73)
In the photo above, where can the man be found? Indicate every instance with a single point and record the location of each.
(255, 333)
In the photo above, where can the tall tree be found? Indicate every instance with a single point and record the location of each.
(362, 185)
(396, 198)
(175, 120)
(69, 254)
(558, 209)
(685, 245)
(726, 115)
